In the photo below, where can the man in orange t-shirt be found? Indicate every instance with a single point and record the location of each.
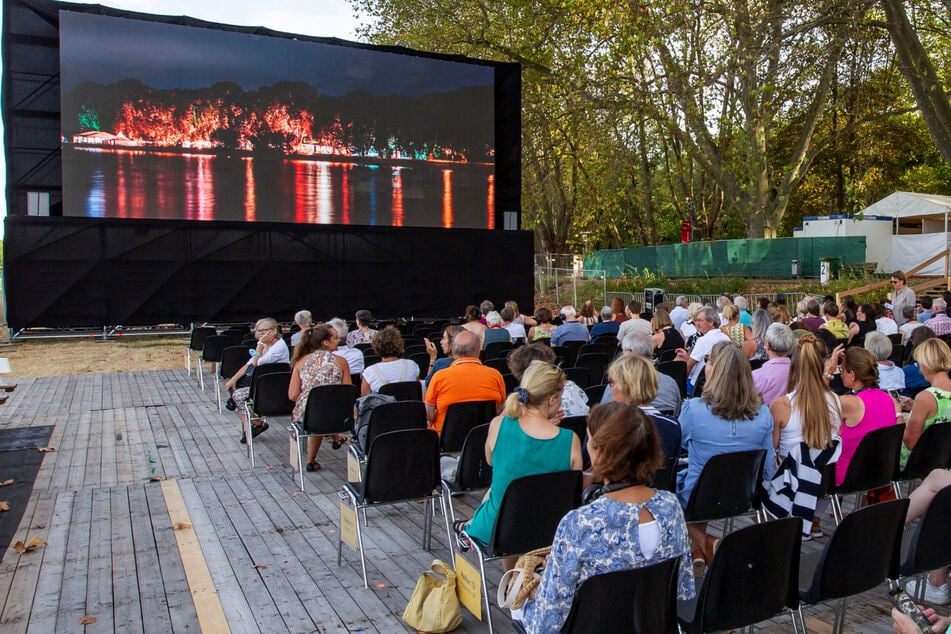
(465, 380)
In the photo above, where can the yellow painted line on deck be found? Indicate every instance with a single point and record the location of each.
(211, 616)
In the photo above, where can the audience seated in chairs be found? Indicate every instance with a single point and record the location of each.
(523, 442)
(494, 331)
(761, 322)
(363, 332)
(625, 452)
(665, 338)
(932, 405)
(570, 329)
(890, 376)
(574, 402)
(437, 363)
(937, 589)
(305, 320)
(270, 348)
(729, 417)
(607, 327)
(634, 381)
(388, 343)
(772, 378)
(805, 422)
(543, 328)
(515, 329)
(314, 364)
(914, 381)
(668, 397)
(472, 321)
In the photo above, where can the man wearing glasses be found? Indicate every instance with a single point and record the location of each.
(901, 296)
(707, 322)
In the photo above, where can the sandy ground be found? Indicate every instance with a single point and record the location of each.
(82, 356)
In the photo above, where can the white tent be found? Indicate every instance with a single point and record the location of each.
(921, 229)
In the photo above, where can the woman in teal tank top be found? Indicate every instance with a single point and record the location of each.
(524, 441)
(932, 405)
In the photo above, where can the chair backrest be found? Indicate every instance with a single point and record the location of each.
(232, 358)
(472, 470)
(699, 385)
(595, 393)
(863, 552)
(571, 349)
(895, 338)
(369, 358)
(497, 349)
(875, 461)
(421, 359)
(596, 362)
(499, 363)
(666, 477)
(531, 509)
(270, 395)
(330, 409)
(898, 353)
(262, 371)
(213, 347)
(199, 335)
(638, 600)
(929, 547)
(677, 370)
(403, 390)
(592, 347)
(728, 485)
(577, 424)
(397, 416)
(462, 418)
(510, 382)
(932, 451)
(579, 376)
(402, 465)
(416, 348)
(753, 576)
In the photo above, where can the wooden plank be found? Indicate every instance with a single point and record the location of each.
(155, 616)
(72, 605)
(99, 592)
(127, 610)
(210, 614)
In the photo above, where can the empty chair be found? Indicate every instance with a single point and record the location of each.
(402, 466)
(862, 552)
(728, 486)
(627, 601)
(569, 351)
(195, 343)
(268, 397)
(528, 516)
(329, 412)
(403, 390)
(925, 544)
(232, 358)
(461, 419)
(211, 351)
(753, 576)
(596, 363)
(874, 464)
(473, 472)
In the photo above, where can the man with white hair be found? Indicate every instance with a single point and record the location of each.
(707, 322)
(607, 326)
(745, 317)
(939, 322)
(679, 313)
(773, 377)
(668, 392)
(570, 329)
(353, 356)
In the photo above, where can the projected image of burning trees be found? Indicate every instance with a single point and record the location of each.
(153, 137)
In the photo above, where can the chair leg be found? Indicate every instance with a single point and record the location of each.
(363, 559)
(188, 361)
(249, 435)
(802, 619)
(485, 589)
(896, 486)
(427, 525)
(449, 539)
(839, 625)
(201, 375)
(300, 457)
(218, 392)
(836, 509)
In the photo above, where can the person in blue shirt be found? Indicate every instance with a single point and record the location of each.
(570, 329)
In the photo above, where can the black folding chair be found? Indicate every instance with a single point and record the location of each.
(212, 349)
(595, 393)
(729, 485)
(402, 466)
(389, 417)
(268, 398)
(925, 544)
(677, 370)
(932, 451)
(577, 424)
(596, 362)
(461, 419)
(579, 376)
(862, 552)
(329, 412)
(501, 364)
(497, 350)
(627, 601)
(510, 382)
(874, 464)
(473, 472)
(232, 358)
(421, 359)
(403, 390)
(528, 516)
(754, 575)
(196, 342)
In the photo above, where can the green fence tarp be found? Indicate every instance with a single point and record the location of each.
(748, 258)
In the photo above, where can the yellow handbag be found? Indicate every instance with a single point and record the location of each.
(434, 606)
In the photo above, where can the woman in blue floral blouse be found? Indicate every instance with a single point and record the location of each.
(630, 526)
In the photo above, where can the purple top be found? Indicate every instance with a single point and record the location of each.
(772, 378)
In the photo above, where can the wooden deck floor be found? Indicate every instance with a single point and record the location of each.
(126, 553)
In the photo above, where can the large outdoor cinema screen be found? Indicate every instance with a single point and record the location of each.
(166, 121)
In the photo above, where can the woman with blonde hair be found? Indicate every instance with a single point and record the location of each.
(634, 380)
(688, 330)
(738, 333)
(931, 405)
(523, 442)
(809, 413)
(729, 417)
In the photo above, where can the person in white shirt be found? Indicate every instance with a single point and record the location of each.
(634, 322)
(679, 314)
(353, 356)
(516, 330)
(707, 322)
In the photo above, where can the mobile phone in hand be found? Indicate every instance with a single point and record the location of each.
(907, 605)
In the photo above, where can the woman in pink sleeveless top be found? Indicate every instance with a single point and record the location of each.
(868, 409)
